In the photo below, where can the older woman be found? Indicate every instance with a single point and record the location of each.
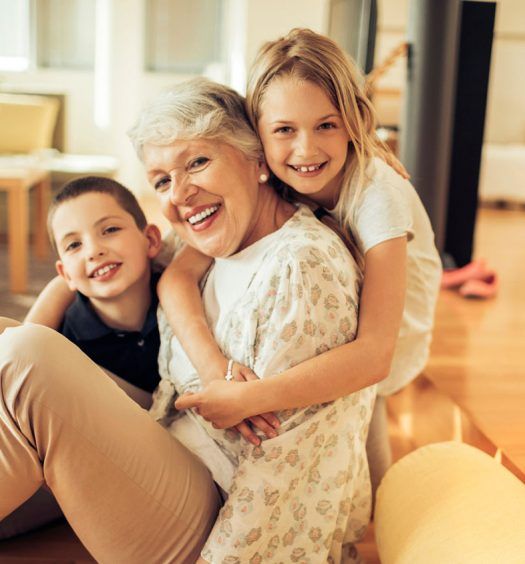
(282, 289)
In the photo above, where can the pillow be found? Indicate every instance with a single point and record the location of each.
(450, 503)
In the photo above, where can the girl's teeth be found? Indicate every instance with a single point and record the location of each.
(308, 168)
(202, 215)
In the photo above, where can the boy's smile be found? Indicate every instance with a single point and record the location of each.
(102, 251)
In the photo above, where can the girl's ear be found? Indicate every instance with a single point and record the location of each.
(59, 265)
(154, 237)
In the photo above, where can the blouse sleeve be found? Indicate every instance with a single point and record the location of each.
(308, 305)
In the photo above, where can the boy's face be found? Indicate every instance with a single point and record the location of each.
(102, 251)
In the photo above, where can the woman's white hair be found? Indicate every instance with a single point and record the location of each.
(197, 108)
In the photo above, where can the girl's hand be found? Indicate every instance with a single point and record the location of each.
(223, 404)
(266, 422)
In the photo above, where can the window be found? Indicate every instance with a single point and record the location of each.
(183, 36)
(14, 35)
(65, 33)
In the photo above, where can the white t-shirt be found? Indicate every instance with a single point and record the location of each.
(389, 207)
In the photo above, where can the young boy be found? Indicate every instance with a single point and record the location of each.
(105, 247)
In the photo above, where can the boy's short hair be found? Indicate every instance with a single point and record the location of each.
(95, 184)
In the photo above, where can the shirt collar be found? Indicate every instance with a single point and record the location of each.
(86, 325)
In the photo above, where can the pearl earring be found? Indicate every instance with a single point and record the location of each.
(263, 178)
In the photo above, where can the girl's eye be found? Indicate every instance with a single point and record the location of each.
(198, 164)
(72, 246)
(162, 184)
(328, 125)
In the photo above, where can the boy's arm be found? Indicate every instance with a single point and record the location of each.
(334, 373)
(51, 304)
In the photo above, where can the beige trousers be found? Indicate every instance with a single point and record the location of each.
(130, 491)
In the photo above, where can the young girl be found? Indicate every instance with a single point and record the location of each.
(307, 101)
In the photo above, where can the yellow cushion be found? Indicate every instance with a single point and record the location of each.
(449, 503)
(27, 122)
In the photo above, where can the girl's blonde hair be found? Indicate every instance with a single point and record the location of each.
(306, 55)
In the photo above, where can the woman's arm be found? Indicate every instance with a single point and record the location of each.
(51, 304)
(332, 374)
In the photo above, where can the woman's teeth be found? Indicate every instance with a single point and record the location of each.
(310, 168)
(202, 215)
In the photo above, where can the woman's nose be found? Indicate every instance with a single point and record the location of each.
(181, 188)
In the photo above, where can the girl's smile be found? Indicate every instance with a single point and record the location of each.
(304, 138)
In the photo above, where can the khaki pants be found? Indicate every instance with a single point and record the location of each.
(130, 491)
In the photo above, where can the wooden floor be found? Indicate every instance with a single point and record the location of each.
(472, 390)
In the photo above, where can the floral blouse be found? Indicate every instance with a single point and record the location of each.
(303, 496)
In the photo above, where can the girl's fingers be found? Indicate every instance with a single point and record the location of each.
(264, 426)
(245, 430)
(271, 419)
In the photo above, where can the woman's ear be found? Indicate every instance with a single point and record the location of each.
(154, 237)
(264, 172)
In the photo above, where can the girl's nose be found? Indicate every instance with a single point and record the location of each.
(305, 145)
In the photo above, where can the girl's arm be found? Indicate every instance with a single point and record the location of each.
(51, 304)
(335, 373)
(180, 297)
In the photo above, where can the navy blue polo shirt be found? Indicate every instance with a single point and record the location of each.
(132, 355)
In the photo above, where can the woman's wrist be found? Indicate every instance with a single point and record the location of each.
(216, 368)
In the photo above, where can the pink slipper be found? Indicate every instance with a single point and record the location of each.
(481, 289)
(455, 277)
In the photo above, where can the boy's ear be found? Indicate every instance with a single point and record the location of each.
(59, 265)
(154, 237)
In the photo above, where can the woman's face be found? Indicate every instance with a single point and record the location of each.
(209, 192)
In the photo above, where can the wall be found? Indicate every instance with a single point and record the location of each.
(251, 22)
(505, 118)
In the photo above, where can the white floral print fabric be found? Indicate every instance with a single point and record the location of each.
(303, 496)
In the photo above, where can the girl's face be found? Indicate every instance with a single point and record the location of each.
(304, 138)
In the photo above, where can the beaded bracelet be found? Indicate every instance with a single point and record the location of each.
(229, 375)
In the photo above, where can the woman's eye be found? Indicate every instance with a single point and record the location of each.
(328, 125)
(284, 129)
(198, 164)
(162, 183)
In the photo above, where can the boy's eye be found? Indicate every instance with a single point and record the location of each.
(111, 229)
(200, 163)
(72, 246)
(162, 183)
